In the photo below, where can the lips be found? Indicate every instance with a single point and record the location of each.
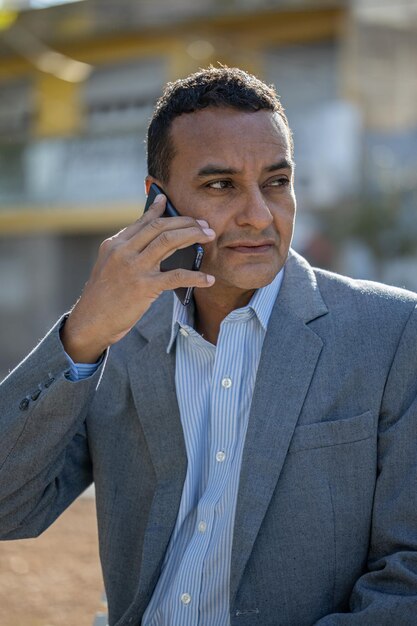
(256, 247)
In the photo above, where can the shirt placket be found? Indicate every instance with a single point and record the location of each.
(186, 588)
(225, 452)
(222, 441)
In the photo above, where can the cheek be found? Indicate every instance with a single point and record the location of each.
(183, 201)
(284, 215)
(215, 216)
(198, 211)
(286, 222)
(210, 251)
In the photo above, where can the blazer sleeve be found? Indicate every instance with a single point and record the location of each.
(44, 458)
(387, 593)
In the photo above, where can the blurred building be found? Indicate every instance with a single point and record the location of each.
(77, 85)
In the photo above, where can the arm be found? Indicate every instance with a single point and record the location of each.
(44, 458)
(387, 593)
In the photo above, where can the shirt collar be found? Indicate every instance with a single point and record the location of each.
(261, 304)
(263, 299)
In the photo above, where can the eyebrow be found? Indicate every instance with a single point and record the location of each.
(219, 170)
(284, 164)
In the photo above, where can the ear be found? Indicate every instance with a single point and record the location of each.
(148, 182)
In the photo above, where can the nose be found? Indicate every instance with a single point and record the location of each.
(254, 210)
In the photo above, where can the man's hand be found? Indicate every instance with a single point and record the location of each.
(126, 279)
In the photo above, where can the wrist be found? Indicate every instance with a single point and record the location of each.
(81, 345)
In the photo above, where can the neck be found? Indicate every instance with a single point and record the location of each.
(211, 310)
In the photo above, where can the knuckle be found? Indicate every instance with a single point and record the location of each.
(177, 277)
(114, 249)
(106, 245)
(165, 238)
(117, 255)
(200, 277)
(111, 243)
(157, 224)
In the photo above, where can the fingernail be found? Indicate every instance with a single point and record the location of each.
(210, 279)
(203, 223)
(209, 231)
(159, 198)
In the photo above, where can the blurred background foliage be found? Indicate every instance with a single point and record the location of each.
(78, 81)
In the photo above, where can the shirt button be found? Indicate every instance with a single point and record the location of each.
(183, 332)
(220, 456)
(226, 383)
(185, 598)
(202, 527)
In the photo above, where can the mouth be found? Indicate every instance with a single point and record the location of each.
(252, 247)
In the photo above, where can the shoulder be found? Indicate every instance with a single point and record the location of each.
(337, 289)
(348, 301)
(371, 313)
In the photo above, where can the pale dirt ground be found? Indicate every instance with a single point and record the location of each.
(55, 579)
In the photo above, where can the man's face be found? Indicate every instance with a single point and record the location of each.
(234, 169)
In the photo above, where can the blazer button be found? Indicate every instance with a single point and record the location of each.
(36, 394)
(24, 404)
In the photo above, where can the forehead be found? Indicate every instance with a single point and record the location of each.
(229, 136)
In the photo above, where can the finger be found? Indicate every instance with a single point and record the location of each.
(184, 278)
(155, 210)
(156, 227)
(168, 241)
(153, 217)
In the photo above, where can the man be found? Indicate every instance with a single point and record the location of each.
(254, 454)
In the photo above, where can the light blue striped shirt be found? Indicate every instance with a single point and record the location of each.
(214, 386)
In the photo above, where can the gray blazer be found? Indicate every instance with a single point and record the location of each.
(326, 520)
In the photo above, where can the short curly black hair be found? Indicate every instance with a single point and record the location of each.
(215, 87)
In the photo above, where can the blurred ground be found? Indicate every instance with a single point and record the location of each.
(54, 580)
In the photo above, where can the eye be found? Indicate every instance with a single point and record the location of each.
(282, 181)
(219, 184)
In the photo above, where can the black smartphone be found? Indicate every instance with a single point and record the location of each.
(189, 258)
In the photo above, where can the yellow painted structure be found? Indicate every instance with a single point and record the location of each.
(233, 40)
(68, 220)
(57, 105)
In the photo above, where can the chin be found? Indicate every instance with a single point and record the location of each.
(250, 282)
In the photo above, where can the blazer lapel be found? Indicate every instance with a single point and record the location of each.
(289, 356)
(152, 378)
